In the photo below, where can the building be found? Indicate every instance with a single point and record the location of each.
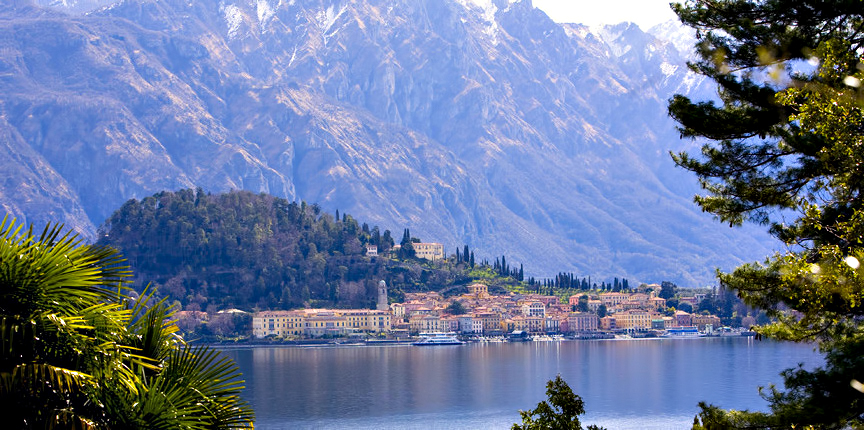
(633, 319)
(658, 303)
(367, 320)
(491, 321)
(553, 325)
(534, 309)
(319, 322)
(479, 291)
(326, 323)
(278, 323)
(470, 325)
(582, 321)
(574, 299)
(682, 319)
(371, 250)
(430, 251)
(612, 300)
(428, 324)
(702, 322)
(382, 296)
(535, 324)
(607, 323)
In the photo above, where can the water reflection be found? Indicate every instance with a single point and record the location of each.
(625, 384)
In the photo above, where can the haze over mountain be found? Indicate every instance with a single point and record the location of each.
(493, 127)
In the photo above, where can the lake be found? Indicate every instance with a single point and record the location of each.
(626, 384)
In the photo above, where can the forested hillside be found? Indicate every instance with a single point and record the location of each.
(256, 251)
(247, 250)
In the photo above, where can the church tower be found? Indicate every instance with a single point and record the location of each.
(382, 296)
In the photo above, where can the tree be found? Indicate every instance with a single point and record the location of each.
(668, 290)
(406, 249)
(601, 311)
(583, 303)
(456, 308)
(708, 304)
(79, 351)
(784, 150)
(560, 412)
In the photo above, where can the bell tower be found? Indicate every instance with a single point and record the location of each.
(382, 296)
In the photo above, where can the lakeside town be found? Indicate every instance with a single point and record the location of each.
(479, 315)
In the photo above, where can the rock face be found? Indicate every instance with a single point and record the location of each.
(490, 126)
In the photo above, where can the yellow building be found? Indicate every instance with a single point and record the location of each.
(318, 322)
(633, 319)
(428, 324)
(367, 320)
(326, 323)
(535, 324)
(278, 323)
(613, 299)
(478, 290)
(430, 251)
(491, 320)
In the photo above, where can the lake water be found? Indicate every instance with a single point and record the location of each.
(626, 384)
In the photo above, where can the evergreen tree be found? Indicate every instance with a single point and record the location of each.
(601, 311)
(668, 290)
(784, 150)
(560, 412)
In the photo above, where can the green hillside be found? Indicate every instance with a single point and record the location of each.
(248, 251)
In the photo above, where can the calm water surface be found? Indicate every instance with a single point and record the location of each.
(626, 384)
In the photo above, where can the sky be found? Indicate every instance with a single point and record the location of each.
(645, 13)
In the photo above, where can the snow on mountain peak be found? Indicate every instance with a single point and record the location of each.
(233, 19)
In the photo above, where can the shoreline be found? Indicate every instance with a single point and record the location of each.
(314, 343)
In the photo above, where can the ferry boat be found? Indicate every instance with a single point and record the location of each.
(686, 331)
(432, 339)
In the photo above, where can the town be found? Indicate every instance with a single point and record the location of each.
(479, 314)
(474, 313)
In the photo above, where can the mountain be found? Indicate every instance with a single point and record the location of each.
(488, 125)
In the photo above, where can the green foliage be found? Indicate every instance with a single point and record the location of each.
(668, 290)
(560, 412)
(257, 251)
(583, 303)
(785, 150)
(456, 308)
(77, 352)
(601, 311)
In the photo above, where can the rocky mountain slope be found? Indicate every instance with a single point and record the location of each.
(487, 125)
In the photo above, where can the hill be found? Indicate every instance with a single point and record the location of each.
(258, 251)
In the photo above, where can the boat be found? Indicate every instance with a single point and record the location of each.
(433, 339)
(685, 332)
(519, 336)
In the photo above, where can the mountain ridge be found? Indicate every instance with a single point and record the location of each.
(504, 131)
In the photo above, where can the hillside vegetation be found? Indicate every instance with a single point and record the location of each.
(247, 250)
(255, 251)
